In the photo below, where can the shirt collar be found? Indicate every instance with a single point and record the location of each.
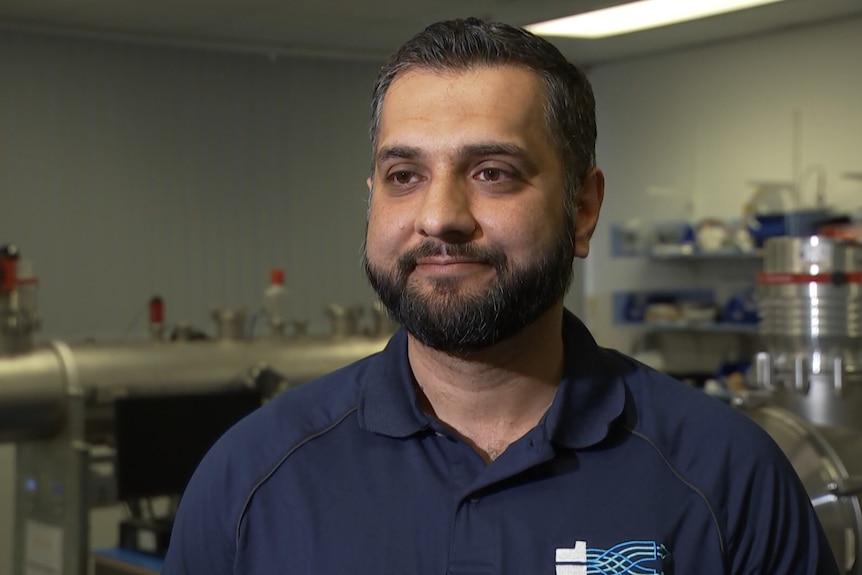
(387, 399)
(589, 399)
(591, 395)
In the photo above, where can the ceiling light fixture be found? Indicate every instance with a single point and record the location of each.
(635, 16)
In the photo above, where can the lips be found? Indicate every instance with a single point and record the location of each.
(449, 258)
(447, 254)
(448, 267)
(446, 261)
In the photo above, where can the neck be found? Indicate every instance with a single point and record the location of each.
(493, 396)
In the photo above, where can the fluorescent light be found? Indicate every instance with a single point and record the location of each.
(635, 16)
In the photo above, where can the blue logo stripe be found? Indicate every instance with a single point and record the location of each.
(626, 558)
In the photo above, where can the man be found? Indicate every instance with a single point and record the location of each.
(492, 435)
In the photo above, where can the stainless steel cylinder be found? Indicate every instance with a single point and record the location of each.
(809, 298)
(828, 460)
(32, 394)
(35, 386)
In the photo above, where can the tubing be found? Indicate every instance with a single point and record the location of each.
(34, 386)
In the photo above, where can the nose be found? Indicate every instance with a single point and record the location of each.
(445, 212)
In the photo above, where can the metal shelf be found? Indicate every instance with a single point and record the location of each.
(701, 327)
(680, 253)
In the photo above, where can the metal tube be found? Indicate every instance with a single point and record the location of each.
(32, 395)
(34, 386)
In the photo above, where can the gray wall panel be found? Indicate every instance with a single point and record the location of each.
(132, 170)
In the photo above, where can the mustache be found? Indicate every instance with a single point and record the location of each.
(429, 248)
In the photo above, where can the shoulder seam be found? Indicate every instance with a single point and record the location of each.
(278, 464)
(690, 485)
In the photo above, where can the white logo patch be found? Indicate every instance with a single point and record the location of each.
(572, 561)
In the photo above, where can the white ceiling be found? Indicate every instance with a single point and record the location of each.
(370, 29)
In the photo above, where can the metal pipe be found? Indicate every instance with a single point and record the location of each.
(34, 387)
(32, 395)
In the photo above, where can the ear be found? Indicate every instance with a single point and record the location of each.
(368, 183)
(587, 208)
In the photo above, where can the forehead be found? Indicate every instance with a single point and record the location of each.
(508, 100)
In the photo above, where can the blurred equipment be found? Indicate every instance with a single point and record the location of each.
(274, 303)
(810, 303)
(18, 319)
(159, 440)
(828, 460)
(774, 210)
(810, 397)
(96, 425)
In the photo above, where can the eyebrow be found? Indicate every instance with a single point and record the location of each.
(492, 149)
(467, 151)
(398, 152)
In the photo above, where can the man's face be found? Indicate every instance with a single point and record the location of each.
(467, 242)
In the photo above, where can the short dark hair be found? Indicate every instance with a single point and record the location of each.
(570, 109)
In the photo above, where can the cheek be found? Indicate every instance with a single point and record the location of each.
(522, 229)
(384, 233)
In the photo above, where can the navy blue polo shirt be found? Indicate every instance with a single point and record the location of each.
(629, 472)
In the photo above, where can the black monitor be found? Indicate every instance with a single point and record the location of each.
(161, 439)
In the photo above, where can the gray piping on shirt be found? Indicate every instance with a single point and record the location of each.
(278, 463)
(691, 486)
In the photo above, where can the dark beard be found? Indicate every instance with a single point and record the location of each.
(462, 323)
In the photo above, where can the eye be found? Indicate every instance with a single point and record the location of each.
(497, 174)
(402, 177)
(400, 180)
(491, 174)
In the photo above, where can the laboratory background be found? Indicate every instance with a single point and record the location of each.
(183, 208)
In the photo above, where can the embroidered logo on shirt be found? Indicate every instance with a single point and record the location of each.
(627, 558)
